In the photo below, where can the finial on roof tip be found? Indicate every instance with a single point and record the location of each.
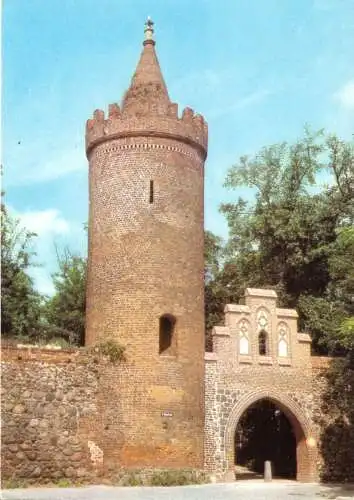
(149, 30)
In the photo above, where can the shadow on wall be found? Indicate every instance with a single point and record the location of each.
(337, 421)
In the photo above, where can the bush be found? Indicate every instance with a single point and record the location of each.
(112, 349)
(63, 483)
(132, 479)
(177, 477)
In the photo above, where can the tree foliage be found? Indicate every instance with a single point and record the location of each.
(337, 421)
(295, 235)
(65, 311)
(21, 303)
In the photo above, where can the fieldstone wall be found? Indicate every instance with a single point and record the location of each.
(49, 400)
(76, 415)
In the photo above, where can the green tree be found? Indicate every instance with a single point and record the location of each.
(288, 236)
(337, 421)
(65, 311)
(21, 303)
(213, 250)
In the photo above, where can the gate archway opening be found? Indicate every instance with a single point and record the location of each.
(264, 432)
(294, 459)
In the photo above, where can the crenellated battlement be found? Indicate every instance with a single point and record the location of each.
(146, 109)
(190, 128)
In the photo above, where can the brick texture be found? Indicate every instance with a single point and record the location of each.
(145, 261)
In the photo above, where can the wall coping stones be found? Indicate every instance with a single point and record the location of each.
(291, 313)
(259, 292)
(239, 308)
(221, 331)
(40, 354)
(303, 337)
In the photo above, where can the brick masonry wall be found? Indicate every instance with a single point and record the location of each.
(234, 381)
(146, 260)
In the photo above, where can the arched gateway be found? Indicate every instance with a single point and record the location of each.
(305, 452)
(239, 374)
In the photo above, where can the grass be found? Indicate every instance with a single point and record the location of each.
(13, 483)
(163, 477)
(62, 483)
(139, 477)
(177, 477)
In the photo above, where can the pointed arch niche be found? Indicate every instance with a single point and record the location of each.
(283, 340)
(244, 345)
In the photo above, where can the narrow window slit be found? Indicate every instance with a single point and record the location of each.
(151, 198)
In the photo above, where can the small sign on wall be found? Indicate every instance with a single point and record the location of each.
(166, 413)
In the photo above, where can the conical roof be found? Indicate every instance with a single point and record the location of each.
(147, 92)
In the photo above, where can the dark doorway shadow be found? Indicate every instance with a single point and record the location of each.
(263, 433)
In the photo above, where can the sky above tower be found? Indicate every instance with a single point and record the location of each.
(257, 70)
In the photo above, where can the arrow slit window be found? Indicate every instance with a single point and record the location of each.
(151, 192)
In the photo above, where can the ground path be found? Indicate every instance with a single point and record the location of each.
(242, 490)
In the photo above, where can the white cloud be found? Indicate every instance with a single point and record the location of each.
(57, 165)
(345, 95)
(43, 222)
(43, 281)
(51, 228)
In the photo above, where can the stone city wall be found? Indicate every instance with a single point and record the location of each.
(49, 409)
(74, 414)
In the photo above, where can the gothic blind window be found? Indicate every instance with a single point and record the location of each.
(283, 340)
(263, 343)
(244, 343)
(166, 331)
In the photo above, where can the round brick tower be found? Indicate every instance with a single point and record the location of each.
(145, 273)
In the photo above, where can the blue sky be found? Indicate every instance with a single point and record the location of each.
(258, 70)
